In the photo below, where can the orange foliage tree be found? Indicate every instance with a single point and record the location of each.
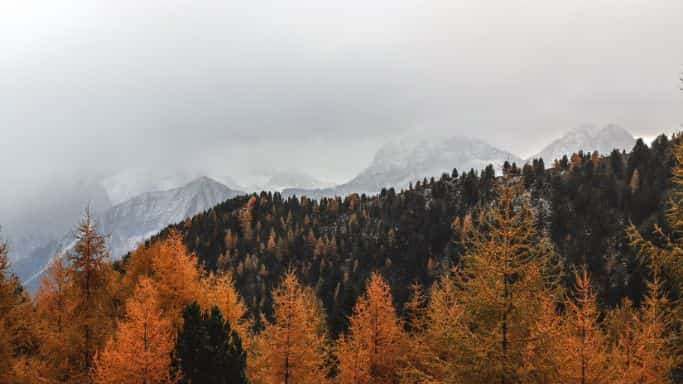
(375, 342)
(92, 279)
(54, 303)
(584, 352)
(220, 291)
(294, 347)
(140, 351)
(16, 331)
(505, 275)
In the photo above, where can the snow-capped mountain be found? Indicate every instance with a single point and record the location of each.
(142, 216)
(133, 221)
(282, 180)
(46, 214)
(400, 162)
(126, 184)
(588, 139)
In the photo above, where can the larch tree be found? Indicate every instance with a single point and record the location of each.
(246, 218)
(221, 293)
(293, 348)
(654, 332)
(140, 350)
(176, 274)
(659, 321)
(504, 275)
(91, 281)
(438, 333)
(15, 313)
(622, 336)
(584, 350)
(54, 303)
(371, 350)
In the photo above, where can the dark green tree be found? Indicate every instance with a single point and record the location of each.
(208, 350)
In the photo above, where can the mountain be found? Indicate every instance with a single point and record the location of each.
(588, 139)
(144, 215)
(408, 236)
(126, 184)
(398, 163)
(133, 220)
(43, 216)
(291, 179)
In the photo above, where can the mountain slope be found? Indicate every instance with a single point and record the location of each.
(415, 235)
(398, 163)
(588, 139)
(292, 179)
(142, 216)
(134, 220)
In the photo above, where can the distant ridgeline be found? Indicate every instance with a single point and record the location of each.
(584, 202)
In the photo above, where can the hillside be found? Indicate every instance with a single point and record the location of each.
(334, 244)
(132, 221)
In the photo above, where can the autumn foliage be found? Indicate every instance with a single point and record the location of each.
(292, 348)
(140, 350)
(507, 310)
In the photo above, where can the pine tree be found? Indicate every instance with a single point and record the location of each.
(140, 351)
(208, 350)
(293, 348)
(375, 342)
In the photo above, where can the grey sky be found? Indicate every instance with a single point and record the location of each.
(237, 86)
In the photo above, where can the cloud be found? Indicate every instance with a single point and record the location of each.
(88, 87)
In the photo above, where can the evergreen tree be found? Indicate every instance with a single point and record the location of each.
(208, 350)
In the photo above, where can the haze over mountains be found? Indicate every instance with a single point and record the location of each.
(132, 205)
(398, 163)
(133, 221)
(588, 138)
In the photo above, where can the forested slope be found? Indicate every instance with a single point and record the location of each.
(583, 203)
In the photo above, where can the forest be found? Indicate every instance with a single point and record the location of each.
(570, 273)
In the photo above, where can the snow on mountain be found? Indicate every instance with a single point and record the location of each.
(588, 139)
(291, 179)
(135, 220)
(128, 183)
(46, 214)
(403, 161)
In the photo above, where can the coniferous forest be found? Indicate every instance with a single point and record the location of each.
(569, 272)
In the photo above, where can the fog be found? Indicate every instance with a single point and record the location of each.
(92, 87)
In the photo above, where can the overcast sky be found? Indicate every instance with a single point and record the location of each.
(242, 86)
